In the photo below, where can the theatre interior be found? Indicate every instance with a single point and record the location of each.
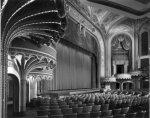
(75, 59)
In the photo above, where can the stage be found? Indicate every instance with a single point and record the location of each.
(62, 93)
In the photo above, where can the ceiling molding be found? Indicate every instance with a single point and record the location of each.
(122, 7)
(119, 8)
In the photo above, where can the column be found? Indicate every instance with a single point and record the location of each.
(121, 86)
(98, 75)
(23, 96)
(93, 81)
(125, 68)
(137, 83)
(114, 69)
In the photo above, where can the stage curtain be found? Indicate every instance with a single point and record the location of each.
(73, 70)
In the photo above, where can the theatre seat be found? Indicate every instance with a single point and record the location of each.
(131, 115)
(96, 108)
(124, 110)
(77, 109)
(56, 116)
(116, 111)
(105, 113)
(119, 116)
(67, 111)
(87, 109)
(84, 115)
(55, 112)
(95, 114)
(73, 115)
(105, 107)
(141, 114)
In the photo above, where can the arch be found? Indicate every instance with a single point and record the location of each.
(128, 82)
(15, 89)
(109, 47)
(143, 29)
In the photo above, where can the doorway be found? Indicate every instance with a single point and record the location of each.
(120, 69)
(13, 95)
(117, 85)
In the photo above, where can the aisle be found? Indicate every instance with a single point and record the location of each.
(30, 113)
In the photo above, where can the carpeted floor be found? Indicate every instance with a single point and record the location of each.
(30, 113)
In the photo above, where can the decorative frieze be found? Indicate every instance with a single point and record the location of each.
(79, 18)
(29, 53)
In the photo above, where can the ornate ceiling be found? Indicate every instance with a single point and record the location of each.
(41, 21)
(111, 19)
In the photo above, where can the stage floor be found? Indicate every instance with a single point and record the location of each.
(59, 93)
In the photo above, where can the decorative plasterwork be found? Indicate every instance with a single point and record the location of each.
(27, 19)
(38, 77)
(30, 60)
(79, 18)
(102, 19)
(29, 53)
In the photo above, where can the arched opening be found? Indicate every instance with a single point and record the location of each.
(13, 95)
(144, 43)
(121, 51)
(128, 85)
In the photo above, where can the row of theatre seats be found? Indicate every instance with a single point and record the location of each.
(94, 105)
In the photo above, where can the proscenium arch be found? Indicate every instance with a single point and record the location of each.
(109, 46)
(101, 49)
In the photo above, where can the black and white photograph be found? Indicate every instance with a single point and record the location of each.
(75, 59)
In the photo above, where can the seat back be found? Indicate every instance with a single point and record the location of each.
(64, 106)
(77, 109)
(56, 116)
(116, 111)
(73, 105)
(96, 108)
(106, 112)
(119, 116)
(95, 114)
(44, 107)
(53, 107)
(41, 116)
(84, 115)
(124, 110)
(131, 115)
(141, 114)
(55, 112)
(42, 112)
(104, 107)
(73, 115)
(87, 109)
(67, 111)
